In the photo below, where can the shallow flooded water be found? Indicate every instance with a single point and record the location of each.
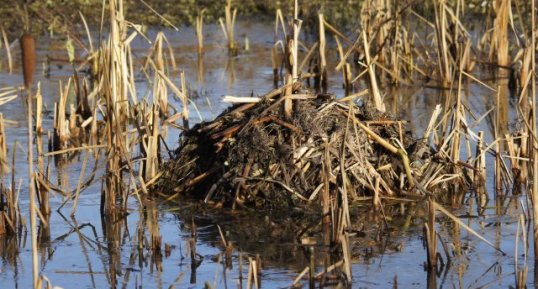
(84, 251)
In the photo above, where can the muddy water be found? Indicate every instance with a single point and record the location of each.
(84, 251)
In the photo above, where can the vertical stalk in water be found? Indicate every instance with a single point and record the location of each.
(31, 195)
(534, 150)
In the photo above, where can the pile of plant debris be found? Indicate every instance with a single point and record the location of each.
(252, 155)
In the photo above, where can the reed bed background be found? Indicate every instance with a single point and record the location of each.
(103, 115)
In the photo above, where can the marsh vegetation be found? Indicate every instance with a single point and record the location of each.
(268, 144)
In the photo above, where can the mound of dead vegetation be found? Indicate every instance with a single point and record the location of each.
(253, 155)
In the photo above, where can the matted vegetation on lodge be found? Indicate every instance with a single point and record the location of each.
(253, 155)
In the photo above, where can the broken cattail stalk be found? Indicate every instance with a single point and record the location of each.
(28, 59)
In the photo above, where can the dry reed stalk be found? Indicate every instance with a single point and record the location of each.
(501, 128)
(29, 58)
(73, 122)
(229, 27)
(43, 193)
(151, 145)
(31, 192)
(4, 208)
(288, 102)
(534, 131)
(4, 168)
(184, 100)
(442, 42)
(8, 51)
(61, 125)
(347, 75)
(514, 154)
(524, 75)
(279, 19)
(199, 27)
(383, 16)
(295, 42)
(374, 89)
(252, 280)
(480, 161)
(458, 118)
(39, 111)
(322, 57)
(160, 91)
(501, 44)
